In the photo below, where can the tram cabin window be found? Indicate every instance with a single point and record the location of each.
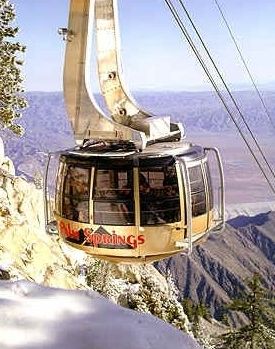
(159, 195)
(76, 187)
(198, 196)
(113, 197)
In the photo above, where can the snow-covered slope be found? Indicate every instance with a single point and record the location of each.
(37, 317)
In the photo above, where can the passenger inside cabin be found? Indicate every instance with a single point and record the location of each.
(170, 177)
(149, 214)
(127, 204)
(76, 194)
(170, 184)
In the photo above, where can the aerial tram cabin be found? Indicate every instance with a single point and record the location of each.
(132, 190)
(129, 206)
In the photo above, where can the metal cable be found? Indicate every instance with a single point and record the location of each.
(197, 54)
(227, 89)
(245, 63)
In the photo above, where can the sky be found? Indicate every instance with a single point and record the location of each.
(155, 56)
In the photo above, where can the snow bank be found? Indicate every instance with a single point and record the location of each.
(36, 317)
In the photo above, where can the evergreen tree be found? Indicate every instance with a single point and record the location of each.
(188, 307)
(11, 99)
(195, 312)
(258, 333)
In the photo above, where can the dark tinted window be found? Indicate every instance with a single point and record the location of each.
(75, 205)
(197, 191)
(113, 197)
(159, 195)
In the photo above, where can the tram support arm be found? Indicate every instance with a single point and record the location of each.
(50, 225)
(188, 205)
(221, 197)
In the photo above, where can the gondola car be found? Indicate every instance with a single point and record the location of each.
(132, 189)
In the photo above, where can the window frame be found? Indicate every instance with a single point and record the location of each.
(199, 163)
(64, 173)
(162, 168)
(115, 200)
(209, 186)
(59, 187)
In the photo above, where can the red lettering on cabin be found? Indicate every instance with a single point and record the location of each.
(67, 231)
(141, 239)
(131, 240)
(121, 240)
(96, 238)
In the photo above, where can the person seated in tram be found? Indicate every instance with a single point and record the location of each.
(171, 201)
(76, 195)
(127, 205)
(170, 178)
(147, 203)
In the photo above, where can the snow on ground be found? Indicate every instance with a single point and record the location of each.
(37, 317)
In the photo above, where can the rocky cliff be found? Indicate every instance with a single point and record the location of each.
(25, 250)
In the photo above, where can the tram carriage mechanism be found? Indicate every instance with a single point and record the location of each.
(132, 190)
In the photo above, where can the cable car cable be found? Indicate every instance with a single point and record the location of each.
(244, 63)
(197, 54)
(227, 88)
(224, 83)
(191, 43)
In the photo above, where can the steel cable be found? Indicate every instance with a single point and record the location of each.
(206, 70)
(245, 63)
(227, 88)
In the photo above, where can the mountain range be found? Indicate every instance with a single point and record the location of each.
(47, 129)
(218, 269)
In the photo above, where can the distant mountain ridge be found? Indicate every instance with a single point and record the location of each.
(217, 269)
(203, 111)
(48, 130)
(200, 111)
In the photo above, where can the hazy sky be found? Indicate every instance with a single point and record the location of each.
(155, 55)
